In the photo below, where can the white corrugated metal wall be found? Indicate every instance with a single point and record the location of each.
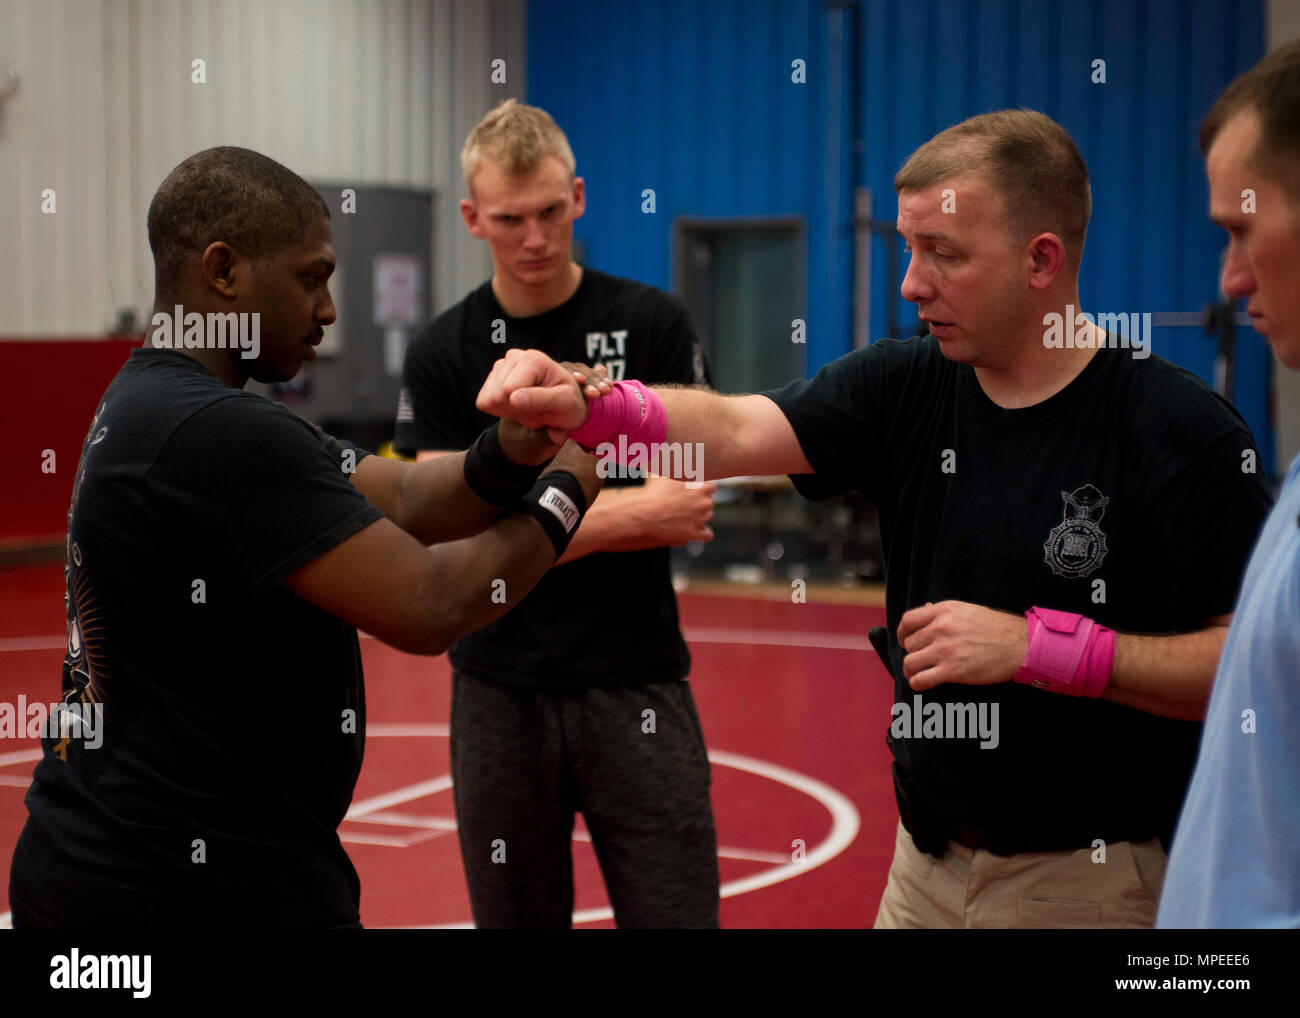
(362, 92)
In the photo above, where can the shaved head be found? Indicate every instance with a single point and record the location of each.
(229, 194)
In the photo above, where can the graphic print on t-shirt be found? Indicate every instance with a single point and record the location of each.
(1076, 545)
(609, 349)
(86, 658)
(405, 411)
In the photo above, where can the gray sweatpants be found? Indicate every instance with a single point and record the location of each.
(523, 762)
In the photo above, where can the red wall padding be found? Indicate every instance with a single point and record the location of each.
(51, 391)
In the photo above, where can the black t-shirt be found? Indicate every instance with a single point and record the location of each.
(1122, 498)
(610, 617)
(233, 711)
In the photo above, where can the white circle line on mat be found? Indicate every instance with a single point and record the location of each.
(845, 820)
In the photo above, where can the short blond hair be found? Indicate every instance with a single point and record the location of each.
(1027, 158)
(516, 137)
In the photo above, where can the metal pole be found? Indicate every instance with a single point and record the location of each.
(862, 267)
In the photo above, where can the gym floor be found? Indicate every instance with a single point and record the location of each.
(794, 706)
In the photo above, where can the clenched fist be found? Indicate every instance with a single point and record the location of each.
(529, 387)
(954, 641)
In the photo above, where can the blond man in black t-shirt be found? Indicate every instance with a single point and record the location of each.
(576, 701)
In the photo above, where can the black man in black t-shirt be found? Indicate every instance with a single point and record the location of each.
(221, 555)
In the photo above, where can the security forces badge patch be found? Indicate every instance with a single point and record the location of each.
(1076, 545)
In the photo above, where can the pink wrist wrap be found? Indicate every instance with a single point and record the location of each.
(1067, 654)
(633, 410)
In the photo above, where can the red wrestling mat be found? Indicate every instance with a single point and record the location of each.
(794, 705)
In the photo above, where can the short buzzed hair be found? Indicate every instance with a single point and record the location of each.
(235, 195)
(1029, 161)
(518, 138)
(1272, 89)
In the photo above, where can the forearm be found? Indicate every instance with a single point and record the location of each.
(610, 525)
(483, 577)
(431, 499)
(1166, 675)
(707, 420)
(436, 504)
(733, 435)
(955, 641)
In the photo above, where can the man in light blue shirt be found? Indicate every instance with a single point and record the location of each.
(1236, 853)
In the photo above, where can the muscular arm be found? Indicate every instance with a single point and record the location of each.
(430, 500)
(421, 600)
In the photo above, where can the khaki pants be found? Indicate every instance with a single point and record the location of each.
(973, 889)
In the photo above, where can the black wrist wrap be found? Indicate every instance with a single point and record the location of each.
(556, 502)
(492, 475)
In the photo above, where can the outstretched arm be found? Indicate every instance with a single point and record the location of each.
(734, 435)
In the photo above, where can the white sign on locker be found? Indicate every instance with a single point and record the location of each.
(397, 290)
